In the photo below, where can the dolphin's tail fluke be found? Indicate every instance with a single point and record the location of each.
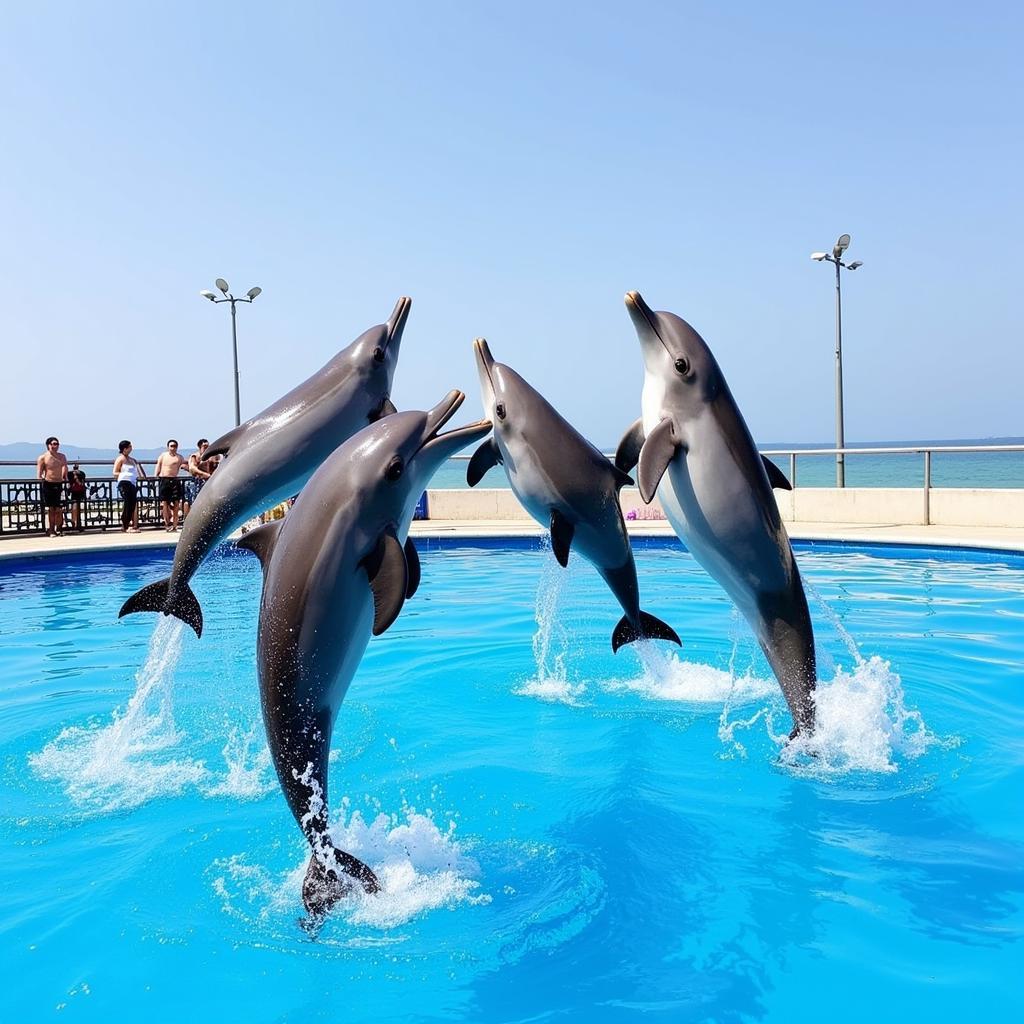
(155, 598)
(651, 628)
(324, 886)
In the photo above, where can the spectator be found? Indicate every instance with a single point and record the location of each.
(200, 471)
(52, 470)
(77, 494)
(168, 466)
(127, 470)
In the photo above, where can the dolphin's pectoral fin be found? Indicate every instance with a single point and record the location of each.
(620, 479)
(628, 453)
(561, 537)
(386, 408)
(658, 451)
(412, 561)
(261, 541)
(484, 458)
(777, 479)
(388, 573)
(222, 446)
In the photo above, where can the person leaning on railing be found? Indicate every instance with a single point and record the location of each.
(127, 470)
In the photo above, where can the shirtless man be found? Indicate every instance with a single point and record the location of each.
(200, 470)
(168, 466)
(52, 470)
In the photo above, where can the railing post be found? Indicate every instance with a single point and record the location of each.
(927, 487)
(792, 469)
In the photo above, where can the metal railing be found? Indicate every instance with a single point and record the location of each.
(21, 509)
(927, 451)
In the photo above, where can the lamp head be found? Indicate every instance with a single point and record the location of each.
(819, 256)
(207, 294)
(842, 244)
(222, 285)
(855, 264)
(253, 292)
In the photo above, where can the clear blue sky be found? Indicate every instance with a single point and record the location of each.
(515, 168)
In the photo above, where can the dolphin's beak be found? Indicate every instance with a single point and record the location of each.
(442, 446)
(485, 369)
(645, 320)
(396, 322)
(640, 313)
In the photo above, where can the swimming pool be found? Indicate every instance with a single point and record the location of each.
(563, 834)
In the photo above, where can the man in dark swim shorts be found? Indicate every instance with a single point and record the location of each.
(168, 466)
(52, 471)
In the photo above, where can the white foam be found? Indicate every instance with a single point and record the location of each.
(554, 691)
(666, 676)
(123, 764)
(420, 867)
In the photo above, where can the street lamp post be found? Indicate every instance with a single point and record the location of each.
(842, 244)
(249, 296)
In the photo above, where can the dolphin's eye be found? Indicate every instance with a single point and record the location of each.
(378, 355)
(500, 410)
(396, 467)
(683, 366)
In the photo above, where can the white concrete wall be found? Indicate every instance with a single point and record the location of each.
(866, 505)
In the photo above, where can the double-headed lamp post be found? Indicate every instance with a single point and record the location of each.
(249, 296)
(842, 244)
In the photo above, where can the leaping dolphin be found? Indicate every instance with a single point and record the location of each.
(717, 494)
(271, 456)
(566, 484)
(338, 567)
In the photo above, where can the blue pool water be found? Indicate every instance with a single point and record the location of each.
(562, 834)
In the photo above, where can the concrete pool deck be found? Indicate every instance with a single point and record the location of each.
(1009, 539)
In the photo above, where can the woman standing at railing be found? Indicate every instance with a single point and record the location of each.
(127, 470)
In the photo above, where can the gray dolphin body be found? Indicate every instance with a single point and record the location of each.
(271, 456)
(566, 484)
(717, 493)
(338, 567)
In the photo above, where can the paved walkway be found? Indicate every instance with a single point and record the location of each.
(1003, 539)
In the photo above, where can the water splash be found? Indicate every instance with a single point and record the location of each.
(250, 769)
(123, 764)
(862, 724)
(420, 867)
(551, 643)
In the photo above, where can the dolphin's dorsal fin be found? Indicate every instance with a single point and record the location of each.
(388, 574)
(658, 451)
(412, 561)
(561, 537)
(386, 408)
(627, 455)
(222, 446)
(486, 457)
(776, 477)
(261, 541)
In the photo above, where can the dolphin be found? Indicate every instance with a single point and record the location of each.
(566, 484)
(717, 494)
(337, 568)
(271, 456)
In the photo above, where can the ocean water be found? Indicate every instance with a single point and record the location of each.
(562, 833)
